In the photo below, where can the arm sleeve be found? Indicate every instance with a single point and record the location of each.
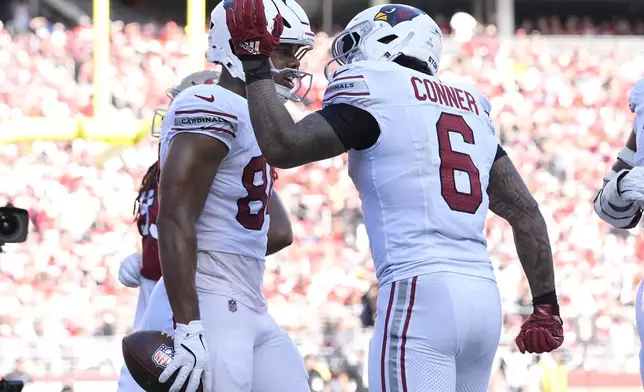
(500, 153)
(612, 209)
(356, 128)
(192, 114)
(347, 107)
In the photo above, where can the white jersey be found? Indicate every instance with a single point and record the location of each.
(235, 217)
(423, 184)
(636, 104)
(638, 128)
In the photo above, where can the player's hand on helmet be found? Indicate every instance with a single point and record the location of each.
(542, 332)
(631, 186)
(246, 21)
(191, 361)
(130, 270)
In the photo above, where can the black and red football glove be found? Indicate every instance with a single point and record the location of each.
(542, 332)
(246, 21)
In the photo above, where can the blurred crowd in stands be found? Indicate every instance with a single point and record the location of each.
(562, 118)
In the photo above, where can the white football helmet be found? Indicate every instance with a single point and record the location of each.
(297, 31)
(385, 32)
(197, 78)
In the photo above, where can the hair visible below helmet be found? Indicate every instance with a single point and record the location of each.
(386, 32)
(195, 79)
(297, 31)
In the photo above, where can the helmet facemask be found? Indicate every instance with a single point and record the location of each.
(292, 84)
(384, 33)
(197, 78)
(346, 46)
(157, 119)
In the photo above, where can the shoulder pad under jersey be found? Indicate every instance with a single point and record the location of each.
(350, 84)
(206, 109)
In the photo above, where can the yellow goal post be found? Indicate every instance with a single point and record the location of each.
(101, 127)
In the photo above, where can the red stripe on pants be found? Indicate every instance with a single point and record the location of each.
(412, 295)
(384, 338)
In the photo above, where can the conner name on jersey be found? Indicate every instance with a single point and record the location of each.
(207, 120)
(435, 91)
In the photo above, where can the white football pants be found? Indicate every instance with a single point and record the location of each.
(437, 332)
(248, 350)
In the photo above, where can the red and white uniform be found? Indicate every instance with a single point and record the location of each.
(150, 275)
(150, 265)
(147, 224)
(244, 341)
(234, 220)
(423, 190)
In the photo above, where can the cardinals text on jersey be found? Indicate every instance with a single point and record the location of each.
(423, 183)
(235, 217)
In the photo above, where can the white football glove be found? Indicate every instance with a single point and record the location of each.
(631, 186)
(190, 358)
(130, 270)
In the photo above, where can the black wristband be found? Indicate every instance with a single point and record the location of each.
(548, 299)
(256, 68)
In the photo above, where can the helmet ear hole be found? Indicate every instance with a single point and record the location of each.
(387, 39)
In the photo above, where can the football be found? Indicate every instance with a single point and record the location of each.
(146, 354)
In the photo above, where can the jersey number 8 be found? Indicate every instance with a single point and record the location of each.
(453, 161)
(256, 193)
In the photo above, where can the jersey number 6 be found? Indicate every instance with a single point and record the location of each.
(256, 193)
(454, 161)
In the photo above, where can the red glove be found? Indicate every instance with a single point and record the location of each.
(246, 21)
(542, 332)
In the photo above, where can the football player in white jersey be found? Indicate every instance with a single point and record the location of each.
(143, 270)
(215, 193)
(424, 157)
(621, 199)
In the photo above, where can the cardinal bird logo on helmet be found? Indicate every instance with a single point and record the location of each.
(396, 13)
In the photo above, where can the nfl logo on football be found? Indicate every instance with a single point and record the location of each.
(162, 356)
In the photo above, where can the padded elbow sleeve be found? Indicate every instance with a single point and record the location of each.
(612, 209)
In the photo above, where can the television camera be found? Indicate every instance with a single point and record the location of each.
(14, 225)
